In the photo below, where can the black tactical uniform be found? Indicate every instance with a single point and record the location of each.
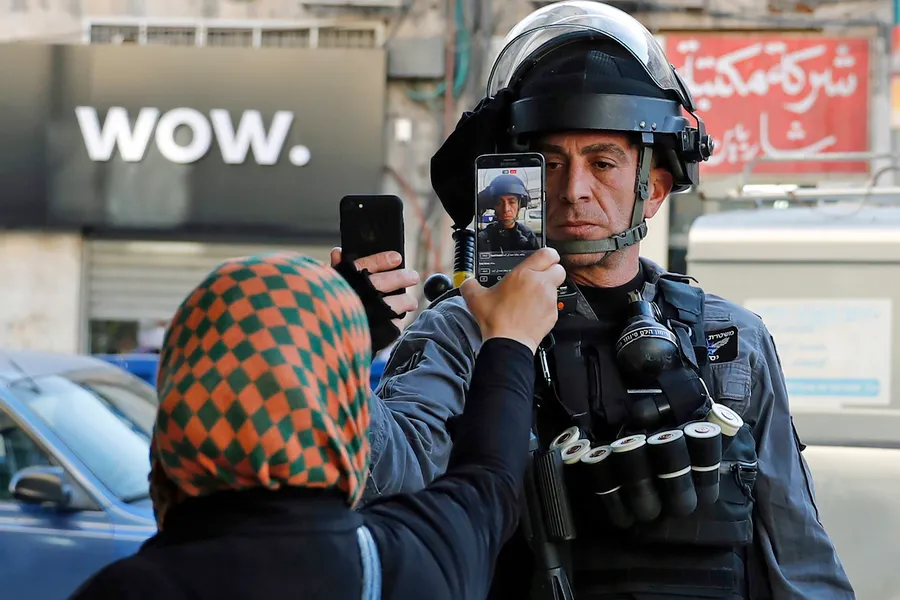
(664, 463)
(497, 238)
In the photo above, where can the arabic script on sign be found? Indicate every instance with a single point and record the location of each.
(763, 96)
(737, 145)
(724, 78)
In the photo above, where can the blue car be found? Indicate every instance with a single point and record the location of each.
(74, 462)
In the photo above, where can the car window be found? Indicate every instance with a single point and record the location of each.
(17, 451)
(135, 409)
(106, 426)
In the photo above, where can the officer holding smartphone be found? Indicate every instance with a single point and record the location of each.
(665, 452)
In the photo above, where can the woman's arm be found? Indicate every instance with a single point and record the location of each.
(466, 515)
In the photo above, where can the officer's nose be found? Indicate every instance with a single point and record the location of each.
(578, 187)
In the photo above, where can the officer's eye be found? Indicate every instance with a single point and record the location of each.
(602, 164)
(553, 164)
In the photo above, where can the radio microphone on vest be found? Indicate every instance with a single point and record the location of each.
(646, 347)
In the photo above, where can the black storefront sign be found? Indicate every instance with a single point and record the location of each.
(184, 142)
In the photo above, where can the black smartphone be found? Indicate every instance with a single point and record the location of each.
(509, 212)
(371, 224)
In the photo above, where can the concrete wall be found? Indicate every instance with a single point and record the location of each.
(40, 299)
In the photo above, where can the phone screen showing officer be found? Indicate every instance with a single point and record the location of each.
(509, 212)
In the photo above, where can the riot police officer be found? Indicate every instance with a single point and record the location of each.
(506, 196)
(668, 470)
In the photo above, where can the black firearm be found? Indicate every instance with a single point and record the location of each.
(547, 522)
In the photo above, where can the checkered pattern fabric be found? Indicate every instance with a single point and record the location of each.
(263, 381)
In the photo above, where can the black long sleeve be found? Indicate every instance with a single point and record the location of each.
(497, 415)
(462, 519)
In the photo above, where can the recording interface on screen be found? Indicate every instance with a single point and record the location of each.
(509, 219)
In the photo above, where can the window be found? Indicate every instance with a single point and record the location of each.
(127, 337)
(115, 34)
(113, 337)
(106, 424)
(17, 451)
(337, 37)
(172, 36)
(260, 34)
(233, 38)
(288, 38)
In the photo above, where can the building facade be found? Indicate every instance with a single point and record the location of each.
(147, 140)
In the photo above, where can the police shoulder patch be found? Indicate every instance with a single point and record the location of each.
(722, 345)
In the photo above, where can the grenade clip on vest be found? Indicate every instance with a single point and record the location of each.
(665, 505)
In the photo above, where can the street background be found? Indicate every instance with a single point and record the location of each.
(145, 141)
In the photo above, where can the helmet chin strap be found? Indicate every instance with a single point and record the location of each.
(633, 234)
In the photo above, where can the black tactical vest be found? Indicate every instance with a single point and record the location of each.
(708, 554)
(517, 239)
(702, 555)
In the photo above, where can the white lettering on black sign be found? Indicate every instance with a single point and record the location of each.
(722, 345)
(234, 144)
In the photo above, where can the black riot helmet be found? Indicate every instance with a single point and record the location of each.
(503, 185)
(573, 66)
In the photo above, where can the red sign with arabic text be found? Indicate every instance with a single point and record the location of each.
(768, 95)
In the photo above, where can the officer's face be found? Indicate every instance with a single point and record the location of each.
(507, 210)
(590, 188)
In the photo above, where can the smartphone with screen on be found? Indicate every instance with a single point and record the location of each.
(371, 224)
(509, 212)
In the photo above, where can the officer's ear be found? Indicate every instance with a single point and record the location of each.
(660, 185)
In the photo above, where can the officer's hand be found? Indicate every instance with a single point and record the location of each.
(386, 279)
(522, 306)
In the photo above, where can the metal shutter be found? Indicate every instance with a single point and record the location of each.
(132, 281)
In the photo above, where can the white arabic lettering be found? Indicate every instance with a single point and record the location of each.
(770, 150)
(795, 132)
(736, 146)
(724, 78)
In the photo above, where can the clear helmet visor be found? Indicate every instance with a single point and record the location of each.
(555, 21)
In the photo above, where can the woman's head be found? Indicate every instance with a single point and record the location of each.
(263, 383)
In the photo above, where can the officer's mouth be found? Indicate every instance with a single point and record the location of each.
(576, 229)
